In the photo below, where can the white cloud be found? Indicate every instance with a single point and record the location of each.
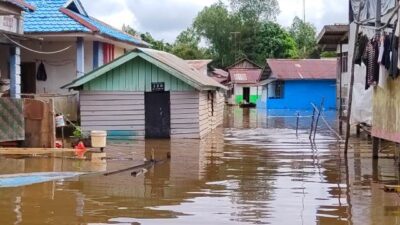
(165, 19)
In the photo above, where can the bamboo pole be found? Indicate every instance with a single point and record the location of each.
(319, 115)
(353, 63)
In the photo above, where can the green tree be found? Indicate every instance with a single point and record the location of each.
(156, 44)
(128, 29)
(187, 44)
(274, 42)
(305, 36)
(328, 54)
(256, 9)
(216, 24)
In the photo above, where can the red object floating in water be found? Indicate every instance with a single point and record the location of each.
(80, 150)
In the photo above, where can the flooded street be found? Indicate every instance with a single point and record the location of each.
(255, 170)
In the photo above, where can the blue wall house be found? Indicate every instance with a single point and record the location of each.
(295, 84)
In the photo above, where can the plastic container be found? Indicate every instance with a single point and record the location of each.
(60, 122)
(99, 139)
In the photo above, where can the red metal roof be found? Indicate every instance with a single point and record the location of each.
(245, 76)
(220, 72)
(303, 69)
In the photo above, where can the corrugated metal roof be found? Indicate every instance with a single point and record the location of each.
(199, 64)
(245, 76)
(332, 35)
(166, 61)
(181, 66)
(303, 69)
(220, 72)
(50, 16)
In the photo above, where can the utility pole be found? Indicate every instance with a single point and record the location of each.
(236, 42)
(304, 11)
(376, 141)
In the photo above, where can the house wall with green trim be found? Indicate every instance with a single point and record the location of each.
(115, 102)
(255, 93)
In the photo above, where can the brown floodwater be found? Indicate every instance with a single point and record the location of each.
(255, 170)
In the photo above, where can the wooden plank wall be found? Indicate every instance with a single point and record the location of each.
(136, 75)
(386, 112)
(40, 131)
(113, 111)
(210, 116)
(185, 114)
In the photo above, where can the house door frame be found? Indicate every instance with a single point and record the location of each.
(246, 94)
(28, 78)
(157, 115)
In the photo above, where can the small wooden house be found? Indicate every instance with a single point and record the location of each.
(244, 77)
(149, 93)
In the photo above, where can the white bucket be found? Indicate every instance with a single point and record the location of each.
(99, 139)
(60, 122)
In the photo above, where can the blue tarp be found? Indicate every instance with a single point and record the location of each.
(18, 180)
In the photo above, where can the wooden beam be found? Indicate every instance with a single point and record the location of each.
(15, 72)
(80, 57)
(350, 100)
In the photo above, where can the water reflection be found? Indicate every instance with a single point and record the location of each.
(254, 171)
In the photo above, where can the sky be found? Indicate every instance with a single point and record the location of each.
(165, 19)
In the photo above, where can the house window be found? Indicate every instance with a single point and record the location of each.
(345, 64)
(276, 90)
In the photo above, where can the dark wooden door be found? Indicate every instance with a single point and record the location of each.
(246, 94)
(157, 115)
(28, 78)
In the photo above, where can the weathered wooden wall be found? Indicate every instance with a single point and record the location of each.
(39, 123)
(136, 75)
(185, 114)
(211, 110)
(386, 112)
(120, 112)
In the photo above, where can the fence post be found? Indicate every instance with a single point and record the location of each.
(312, 123)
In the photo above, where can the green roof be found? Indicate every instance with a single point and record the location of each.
(170, 63)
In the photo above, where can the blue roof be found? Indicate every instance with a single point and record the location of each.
(47, 18)
(110, 31)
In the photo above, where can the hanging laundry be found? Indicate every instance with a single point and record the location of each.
(386, 52)
(393, 70)
(41, 74)
(394, 46)
(383, 73)
(370, 59)
(361, 44)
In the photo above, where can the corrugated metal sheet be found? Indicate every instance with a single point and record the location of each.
(245, 76)
(220, 72)
(303, 69)
(12, 125)
(171, 64)
(181, 66)
(199, 64)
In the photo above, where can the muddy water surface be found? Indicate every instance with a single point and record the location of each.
(253, 171)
